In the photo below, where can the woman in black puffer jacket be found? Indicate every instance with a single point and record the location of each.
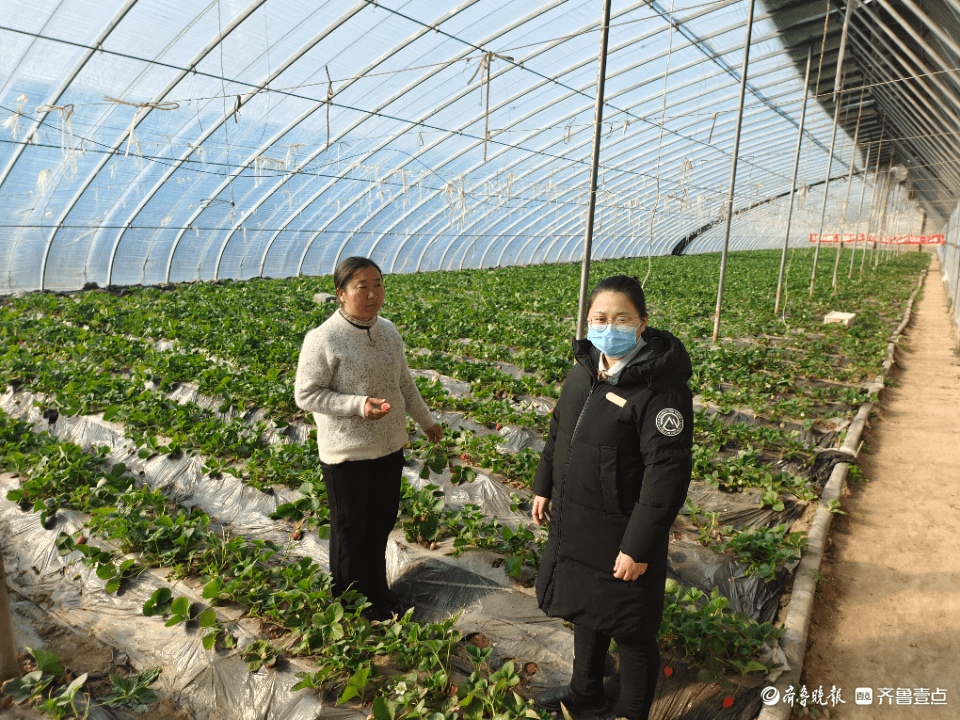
(611, 480)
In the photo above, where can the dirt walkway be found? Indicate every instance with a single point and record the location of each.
(888, 609)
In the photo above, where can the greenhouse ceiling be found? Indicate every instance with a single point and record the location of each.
(148, 142)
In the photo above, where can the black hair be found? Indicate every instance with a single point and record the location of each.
(348, 267)
(625, 284)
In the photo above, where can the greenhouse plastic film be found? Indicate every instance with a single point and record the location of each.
(743, 509)
(492, 496)
(693, 565)
(508, 617)
(214, 685)
(225, 499)
(514, 439)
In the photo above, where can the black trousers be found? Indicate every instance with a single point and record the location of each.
(364, 499)
(639, 669)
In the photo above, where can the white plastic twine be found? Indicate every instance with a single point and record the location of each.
(67, 147)
(12, 123)
(140, 108)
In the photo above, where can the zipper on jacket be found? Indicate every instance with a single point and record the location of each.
(566, 465)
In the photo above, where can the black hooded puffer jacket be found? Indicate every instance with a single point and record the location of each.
(616, 467)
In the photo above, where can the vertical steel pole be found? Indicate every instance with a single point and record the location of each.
(592, 198)
(793, 185)
(863, 191)
(846, 202)
(733, 172)
(826, 190)
(882, 216)
(873, 205)
(873, 195)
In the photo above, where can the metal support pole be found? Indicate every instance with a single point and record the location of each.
(733, 173)
(863, 191)
(876, 175)
(882, 216)
(846, 202)
(873, 204)
(826, 189)
(793, 185)
(595, 162)
(956, 274)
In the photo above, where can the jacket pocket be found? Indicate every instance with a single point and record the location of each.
(591, 537)
(608, 481)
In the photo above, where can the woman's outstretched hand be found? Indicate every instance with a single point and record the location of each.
(375, 408)
(541, 510)
(434, 433)
(626, 569)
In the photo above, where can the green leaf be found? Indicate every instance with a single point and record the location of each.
(47, 662)
(211, 591)
(181, 606)
(107, 571)
(112, 585)
(384, 709)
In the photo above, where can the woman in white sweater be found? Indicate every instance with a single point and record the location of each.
(353, 376)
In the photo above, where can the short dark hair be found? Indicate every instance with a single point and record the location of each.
(348, 266)
(625, 284)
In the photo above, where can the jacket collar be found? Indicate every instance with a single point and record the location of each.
(664, 354)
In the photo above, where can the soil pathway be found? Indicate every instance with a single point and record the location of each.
(887, 615)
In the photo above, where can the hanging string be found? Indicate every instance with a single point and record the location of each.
(141, 107)
(485, 62)
(330, 94)
(12, 123)
(67, 146)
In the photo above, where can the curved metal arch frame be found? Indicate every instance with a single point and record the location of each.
(765, 104)
(383, 58)
(410, 124)
(679, 133)
(253, 156)
(364, 194)
(136, 123)
(539, 84)
(41, 118)
(214, 127)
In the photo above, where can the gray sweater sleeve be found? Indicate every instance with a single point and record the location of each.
(315, 370)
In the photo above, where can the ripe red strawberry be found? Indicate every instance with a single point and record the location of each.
(727, 701)
(667, 671)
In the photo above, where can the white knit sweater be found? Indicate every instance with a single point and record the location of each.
(340, 366)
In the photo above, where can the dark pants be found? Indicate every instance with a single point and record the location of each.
(639, 670)
(364, 498)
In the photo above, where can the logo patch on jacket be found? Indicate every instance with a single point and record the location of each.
(669, 422)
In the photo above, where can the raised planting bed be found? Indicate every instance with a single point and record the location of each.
(153, 453)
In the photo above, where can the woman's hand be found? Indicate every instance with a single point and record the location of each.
(434, 433)
(541, 510)
(626, 569)
(375, 408)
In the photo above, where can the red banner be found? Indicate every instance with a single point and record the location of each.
(884, 239)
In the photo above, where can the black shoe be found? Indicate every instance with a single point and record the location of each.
(552, 698)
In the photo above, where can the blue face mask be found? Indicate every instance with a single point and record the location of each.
(613, 341)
